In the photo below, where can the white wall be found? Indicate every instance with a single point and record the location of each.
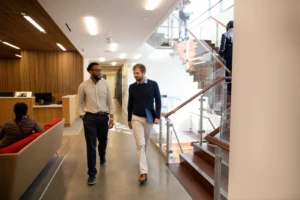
(86, 74)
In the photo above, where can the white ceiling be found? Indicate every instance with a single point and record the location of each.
(124, 18)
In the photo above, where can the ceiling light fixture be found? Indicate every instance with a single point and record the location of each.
(137, 56)
(61, 46)
(102, 59)
(123, 55)
(113, 47)
(91, 25)
(152, 4)
(18, 56)
(113, 63)
(11, 45)
(35, 24)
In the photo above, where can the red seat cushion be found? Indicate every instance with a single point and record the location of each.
(52, 123)
(16, 147)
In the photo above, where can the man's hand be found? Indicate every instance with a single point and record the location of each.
(111, 124)
(130, 125)
(156, 121)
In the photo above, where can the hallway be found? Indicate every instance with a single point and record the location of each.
(119, 179)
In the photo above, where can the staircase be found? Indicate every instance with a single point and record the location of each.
(195, 167)
(196, 172)
(200, 63)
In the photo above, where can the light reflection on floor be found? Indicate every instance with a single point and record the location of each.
(121, 128)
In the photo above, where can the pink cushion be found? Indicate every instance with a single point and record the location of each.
(52, 123)
(16, 147)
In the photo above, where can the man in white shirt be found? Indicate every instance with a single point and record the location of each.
(95, 103)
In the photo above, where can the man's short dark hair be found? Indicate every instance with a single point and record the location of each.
(91, 65)
(140, 66)
(230, 24)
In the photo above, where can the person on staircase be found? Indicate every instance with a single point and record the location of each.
(142, 115)
(226, 49)
(185, 11)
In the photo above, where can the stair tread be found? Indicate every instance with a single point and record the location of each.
(200, 163)
(190, 184)
(211, 151)
(206, 168)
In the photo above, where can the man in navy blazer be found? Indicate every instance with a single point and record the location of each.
(142, 94)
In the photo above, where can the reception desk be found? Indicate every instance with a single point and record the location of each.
(45, 113)
(42, 113)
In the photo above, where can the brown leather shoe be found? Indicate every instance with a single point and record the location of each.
(143, 178)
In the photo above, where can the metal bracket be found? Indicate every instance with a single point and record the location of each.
(170, 125)
(203, 131)
(201, 99)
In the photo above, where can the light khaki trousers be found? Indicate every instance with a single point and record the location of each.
(142, 131)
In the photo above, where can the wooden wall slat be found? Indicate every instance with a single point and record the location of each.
(51, 71)
(10, 75)
(42, 71)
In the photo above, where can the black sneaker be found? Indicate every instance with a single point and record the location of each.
(102, 163)
(91, 180)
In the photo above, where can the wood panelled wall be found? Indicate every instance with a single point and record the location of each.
(10, 75)
(51, 71)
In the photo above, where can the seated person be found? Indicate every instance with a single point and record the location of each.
(19, 128)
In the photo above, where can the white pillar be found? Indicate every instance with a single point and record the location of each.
(86, 74)
(265, 127)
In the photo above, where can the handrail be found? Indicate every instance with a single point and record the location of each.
(218, 21)
(218, 80)
(208, 19)
(207, 49)
(211, 138)
(217, 142)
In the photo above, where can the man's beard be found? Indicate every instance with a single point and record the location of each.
(138, 78)
(97, 78)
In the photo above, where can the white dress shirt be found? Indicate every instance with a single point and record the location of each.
(95, 97)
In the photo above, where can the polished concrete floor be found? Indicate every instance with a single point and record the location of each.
(119, 179)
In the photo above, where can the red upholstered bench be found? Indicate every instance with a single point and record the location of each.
(21, 162)
(16, 147)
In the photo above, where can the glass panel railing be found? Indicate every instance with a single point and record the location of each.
(221, 173)
(213, 76)
(224, 173)
(225, 126)
(209, 30)
(190, 123)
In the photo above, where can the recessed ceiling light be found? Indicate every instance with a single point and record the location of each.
(61, 46)
(102, 59)
(152, 4)
(137, 56)
(113, 63)
(11, 45)
(113, 47)
(91, 25)
(35, 24)
(19, 56)
(123, 55)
